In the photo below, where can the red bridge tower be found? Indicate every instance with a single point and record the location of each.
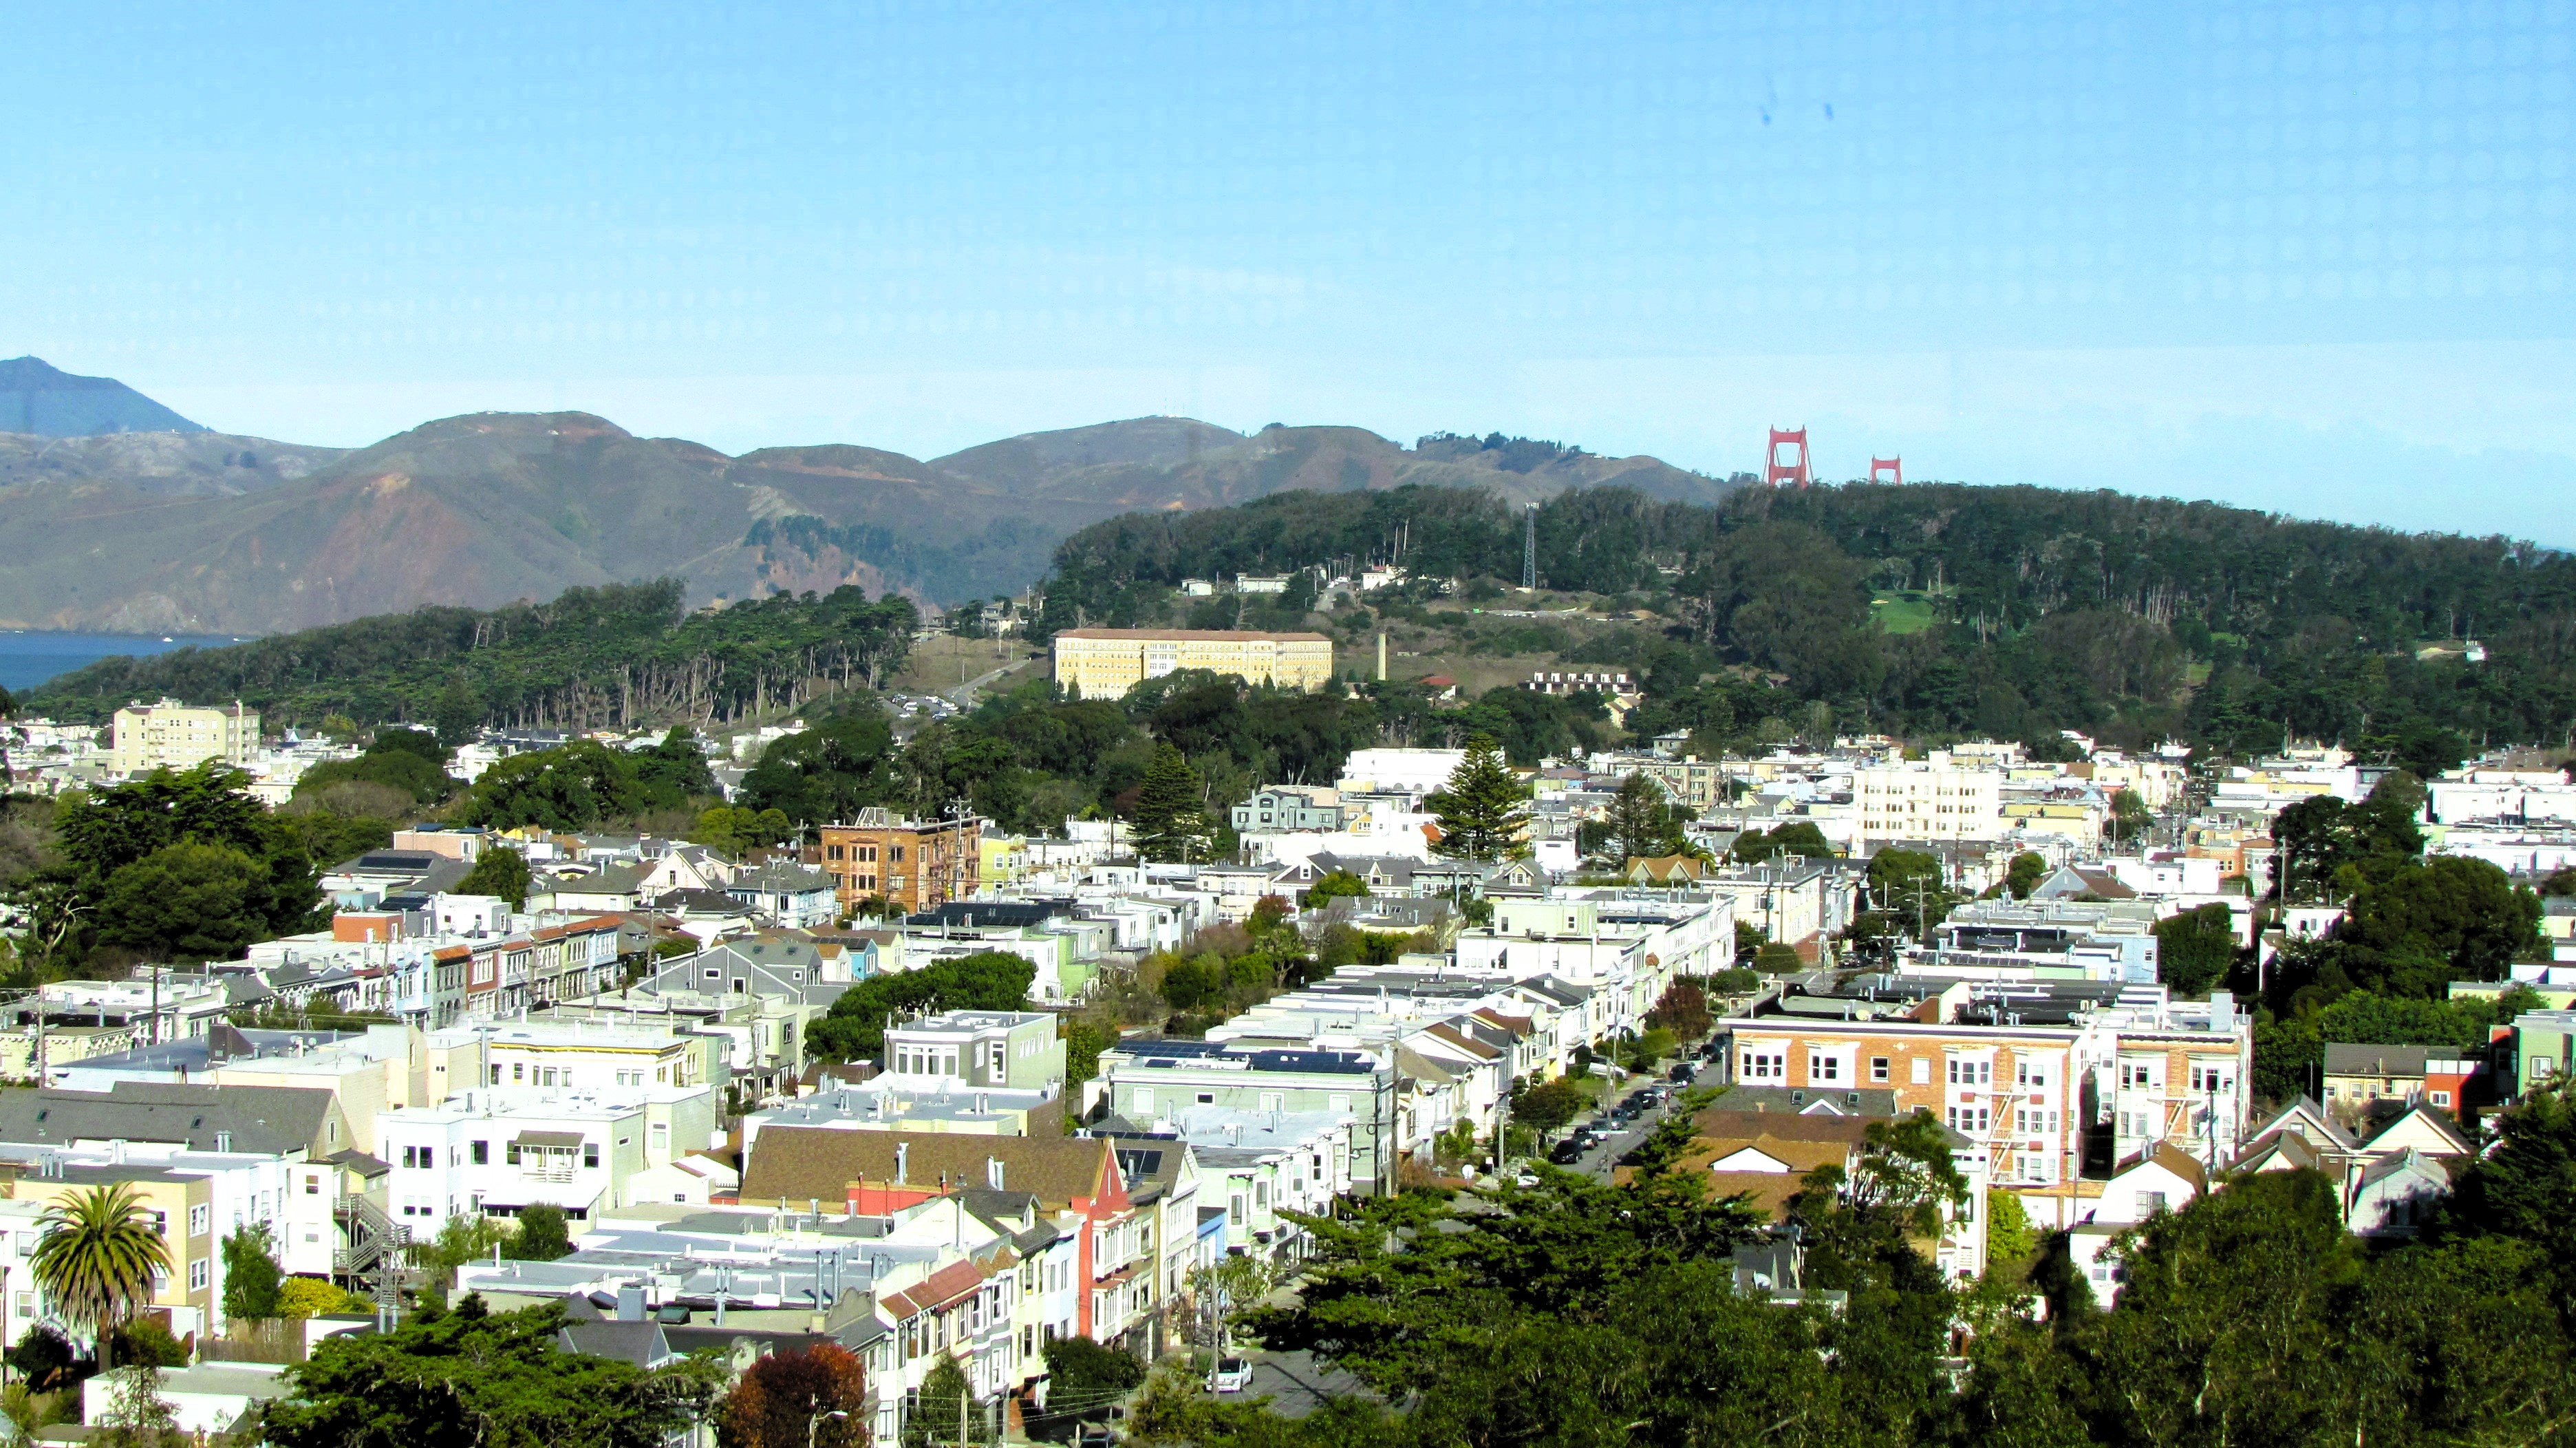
(1776, 472)
(1893, 467)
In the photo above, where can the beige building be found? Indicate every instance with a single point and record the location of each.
(1940, 798)
(173, 735)
(1104, 663)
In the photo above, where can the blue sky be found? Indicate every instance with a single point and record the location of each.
(2312, 258)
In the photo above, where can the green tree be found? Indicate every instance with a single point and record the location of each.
(1335, 885)
(2525, 1187)
(137, 1415)
(1171, 822)
(988, 980)
(2226, 1330)
(2447, 918)
(457, 714)
(542, 1236)
(2021, 876)
(42, 1358)
(189, 902)
(251, 1274)
(947, 1411)
(97, 1258)
(1549, 1105)
(828, 772)
(471, 1377)
(1083, 1043)
(498, 871)
(2195, 948)
(673, 771)
(1800, 838)
(573, 787)
(1642, 820)
(1085, 1379)
(2130, 817)
(1482, 809)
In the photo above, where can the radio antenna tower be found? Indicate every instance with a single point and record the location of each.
(1529, 546)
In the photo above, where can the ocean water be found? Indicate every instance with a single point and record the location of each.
(29, 659)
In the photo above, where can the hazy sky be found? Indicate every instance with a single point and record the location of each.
(2305, 257)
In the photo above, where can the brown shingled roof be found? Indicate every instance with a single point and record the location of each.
(804, 1163)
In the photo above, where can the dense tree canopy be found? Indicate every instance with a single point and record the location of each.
(1582, 1313)
(989, 980)
(609, 657)
(471, 1378)
(2042, 609)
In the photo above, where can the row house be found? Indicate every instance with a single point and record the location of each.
(1252, 1171)
(1078, 1179)
(1624, 947)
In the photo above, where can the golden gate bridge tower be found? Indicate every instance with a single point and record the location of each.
(1795, 471)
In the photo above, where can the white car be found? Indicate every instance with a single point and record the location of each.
(1233, 1375)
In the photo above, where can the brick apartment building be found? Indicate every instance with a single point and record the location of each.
(2029, 1085)
(917, 864)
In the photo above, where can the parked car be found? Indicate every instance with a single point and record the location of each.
(1233, 1375)
(1684, 1071)
(1568, 1151)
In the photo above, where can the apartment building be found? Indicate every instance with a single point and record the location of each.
(1104, 663)
(571, 1055)
(2044, 1077)
(1149, 1081)
(1945, 797)
(1290, 807)
(1624, 946)
(172, 735)
(916, 864)
(494, 1153)
(976, 1051)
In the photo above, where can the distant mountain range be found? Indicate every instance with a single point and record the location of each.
(131, 524)
(43, 401)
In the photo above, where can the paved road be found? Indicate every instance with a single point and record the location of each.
(963, 696)
(1295, 1383)
(1599, 1160)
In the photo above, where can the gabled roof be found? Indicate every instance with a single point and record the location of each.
(2303, 1117)
(280, 1120)
(780, 878)
(1460, 1039)
(820, 1162)
(944, 1286)
(640, 1343)
(2369, 1059)
(2442, 1135)
(2168, 1157)
(606, 880)
(2402, 1162)
(699, 902)
(2290, 1149)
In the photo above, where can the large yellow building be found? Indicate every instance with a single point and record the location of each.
(173, 735)
(1104, 663)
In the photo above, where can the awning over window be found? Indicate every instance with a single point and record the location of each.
(558, 1140)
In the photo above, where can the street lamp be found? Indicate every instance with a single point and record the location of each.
(816, 1421)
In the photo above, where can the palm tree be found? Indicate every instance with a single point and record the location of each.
(97, 1258)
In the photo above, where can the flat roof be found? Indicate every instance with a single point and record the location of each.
(1185, 635)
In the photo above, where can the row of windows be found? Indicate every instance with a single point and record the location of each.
(479, 1153)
